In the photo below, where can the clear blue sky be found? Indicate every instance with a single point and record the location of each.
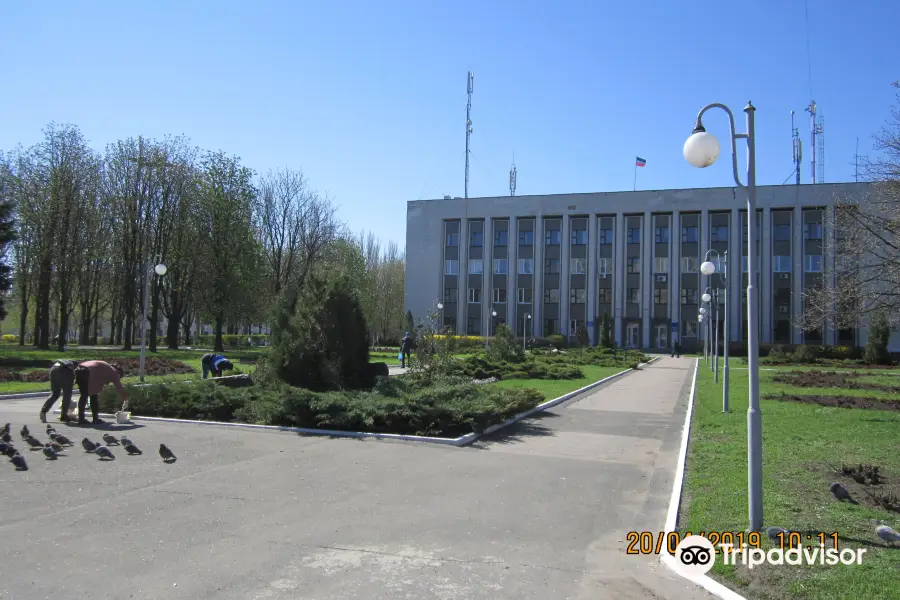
(368, 98)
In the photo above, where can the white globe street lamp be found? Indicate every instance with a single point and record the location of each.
(703, 311)
(701, 150)
(705, 298)
(708, 268)
(160, 270)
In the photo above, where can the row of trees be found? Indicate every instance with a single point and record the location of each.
(83, 227)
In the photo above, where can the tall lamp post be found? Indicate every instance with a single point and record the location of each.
(525, 319)
(160, 270)
(704, 318)
(707, 298)
(709, 268)
(440, 306)
(490, 326)
(701, 150)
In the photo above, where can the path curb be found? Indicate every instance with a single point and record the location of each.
(704, 581)
(460, 441)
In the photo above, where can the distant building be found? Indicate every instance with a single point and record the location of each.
(568, 259)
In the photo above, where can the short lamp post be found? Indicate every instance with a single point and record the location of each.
(160, 270)
(708, 268)
(490, 327)
(440, 306)
(525, 318)
(705, 319)
(701, 150)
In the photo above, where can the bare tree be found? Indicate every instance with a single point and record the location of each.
(862, 267)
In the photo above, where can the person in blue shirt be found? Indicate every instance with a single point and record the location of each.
(215, 364)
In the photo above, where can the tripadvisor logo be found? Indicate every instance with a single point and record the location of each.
(695, 556)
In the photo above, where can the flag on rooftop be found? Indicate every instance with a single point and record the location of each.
(640, 162)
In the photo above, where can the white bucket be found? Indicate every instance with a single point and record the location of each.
(123, 417)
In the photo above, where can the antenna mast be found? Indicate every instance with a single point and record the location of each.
(820, 143)
(468, 125)
(512, 177)
(797, 148)
(811, 109)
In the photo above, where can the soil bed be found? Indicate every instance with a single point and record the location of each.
(825, 379)
(154, 365)
(836, 401)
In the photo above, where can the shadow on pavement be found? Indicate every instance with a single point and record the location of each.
(518, 432)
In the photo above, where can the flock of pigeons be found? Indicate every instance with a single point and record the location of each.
(882, 529)
(59, 443)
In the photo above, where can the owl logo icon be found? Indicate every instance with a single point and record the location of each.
(694, 556)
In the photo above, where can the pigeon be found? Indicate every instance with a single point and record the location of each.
(165, 453)
(125, 441)
(10, 451)
(841, 493)
(6, 437)
(4, 447)
(56, 447)
(20, 463)
(887, 534)
(50, 429)
(110, 439)
(88, 445)
(104, 452)
(5, 429)
(61, 439)
(773, 533)
(132, 449)
(33, 442)
(25, 433)
(49, 453)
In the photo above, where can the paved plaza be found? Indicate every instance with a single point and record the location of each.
(539, 510)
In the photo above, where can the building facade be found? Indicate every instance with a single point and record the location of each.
(550, 264)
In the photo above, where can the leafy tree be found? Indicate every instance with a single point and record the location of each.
(322, 339)
(504, 346)
(605, 332)
(877, 343)
(7, 237)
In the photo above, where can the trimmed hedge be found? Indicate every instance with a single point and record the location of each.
(407, 404)
(479, 367)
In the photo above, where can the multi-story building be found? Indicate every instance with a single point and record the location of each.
(552, 263)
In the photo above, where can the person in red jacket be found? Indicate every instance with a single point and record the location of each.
(91, 377)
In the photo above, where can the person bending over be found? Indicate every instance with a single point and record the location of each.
(215, 364)
(91, 377)
(62, 382)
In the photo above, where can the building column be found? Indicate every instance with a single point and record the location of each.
(797, 274)
(487, 294)
(734, 273)
(590, 308)
(675, 275)
(538, 277)
(564, 286)
(765, 276)
(619, 276)
(646, 279)
(462, 279)
(512, 287)
(829, 243)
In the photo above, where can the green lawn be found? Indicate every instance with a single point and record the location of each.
(554, 388)
(799, 442)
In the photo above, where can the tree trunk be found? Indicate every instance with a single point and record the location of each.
(23, 322)
(42, 316)
(154, 319)
(219, 345)
(63, 320)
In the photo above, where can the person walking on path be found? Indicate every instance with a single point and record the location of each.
(405, 347)
(676, 349)
(62, 382)
(91, 377)
(215, 364)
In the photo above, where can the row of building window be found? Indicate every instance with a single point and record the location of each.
(576, 296)
(812, 263)
(579, 237)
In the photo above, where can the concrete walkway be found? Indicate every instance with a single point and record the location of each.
(539, 511)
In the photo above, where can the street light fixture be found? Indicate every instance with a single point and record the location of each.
(525, 318)
(707, 298)
(701, 150)
(709, 268)
(160, 270)
(490, 327)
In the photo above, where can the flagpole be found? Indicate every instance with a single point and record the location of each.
(635, 175)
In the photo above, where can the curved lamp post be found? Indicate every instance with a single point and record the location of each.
(160, 270)
(709, 268)
(701, 150)
(707, 298)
